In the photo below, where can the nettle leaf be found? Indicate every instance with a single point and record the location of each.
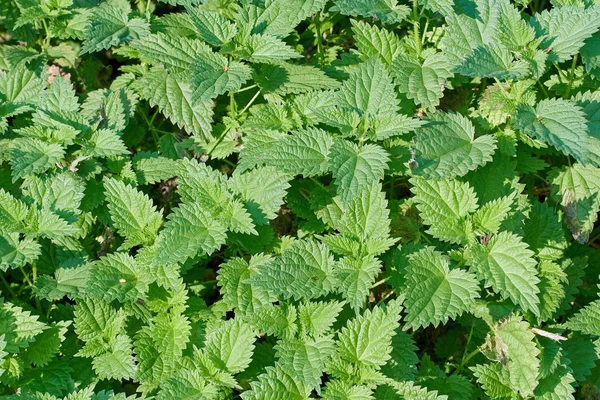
(493, 61)
(173, 97)
(305, 359)
(274, 383)
(266, 49)
(304, 269)
(175, 53)
(356, 167)
(110, 25)
(30, 156)
(230, 346)
(423, 82)
(316, 318)
(355, 277)
(439, 201)
(304, 152)
(559, 123)
(238, 294)
(132, 213)
(587, 320)
(367, 339)
(446, 147)
(435, 293)
(565, 29)
(577, 189)
(213, 75)
(213, 28)
(369, 89)
(507, 266)
(514, 338)
(387, 11)
(189, 231)
(373, 41)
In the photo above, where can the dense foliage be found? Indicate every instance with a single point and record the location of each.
(291, 199)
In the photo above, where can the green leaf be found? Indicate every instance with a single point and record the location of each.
(189, 231)
(304, 269)
(355, 277)
(373, 41)
(30, 156)
(387, 11)
(557, 386)
(577, 189)
(446, 147)
(490, 216)
(213, 75)
(110, 26)
(106, 143)
(494, 379)
(283, 78)
(587, 320)
(262, 190)
(507, 266)
(230, 346)
(435, 293)
(318, 317)
(274, 383)
(367, 339)
(175, 53)
(356, 167)
(266, 49)
(565, 29)
(517, 340)
(213, 28)
(305, 359)
(118, 363)
(560, 123)
(444, 200)
(493, 61)
(173, 97)
(304, 152)
(132, 213)
(238, 294)
(24, 83)
(423, 82)
(369, 90)
(118, 276)
(12, 212)
(15, 253)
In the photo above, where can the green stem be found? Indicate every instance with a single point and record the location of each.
(465, 360)
(247, 88)
(26, 277)
(415, 19)
(571, 77)
(381, 282)
(250, 102)
(8, 288)
(424, 32)
(543, 89)
(321, 54)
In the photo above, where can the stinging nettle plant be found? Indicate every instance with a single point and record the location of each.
(293, 199)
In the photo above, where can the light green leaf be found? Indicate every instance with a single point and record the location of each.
(110, 26)
(213, 75)
(173, 97)
(213, 28)
(387, 11)
(560, 123)
(434, 293)
(373, 41)
(356, 167)
(230, 346)
(369, 90)
(355, 277)
(446, 147)
(507, 266)
(304, 269)
(30, 156)
(132, 213)
(424, 83)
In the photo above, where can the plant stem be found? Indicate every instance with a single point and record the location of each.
(415, 19)
(250, 102)
(321, 55)
(247, 88)
(543, 89)
(465, 360)
(571, 77)
(8, 288)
